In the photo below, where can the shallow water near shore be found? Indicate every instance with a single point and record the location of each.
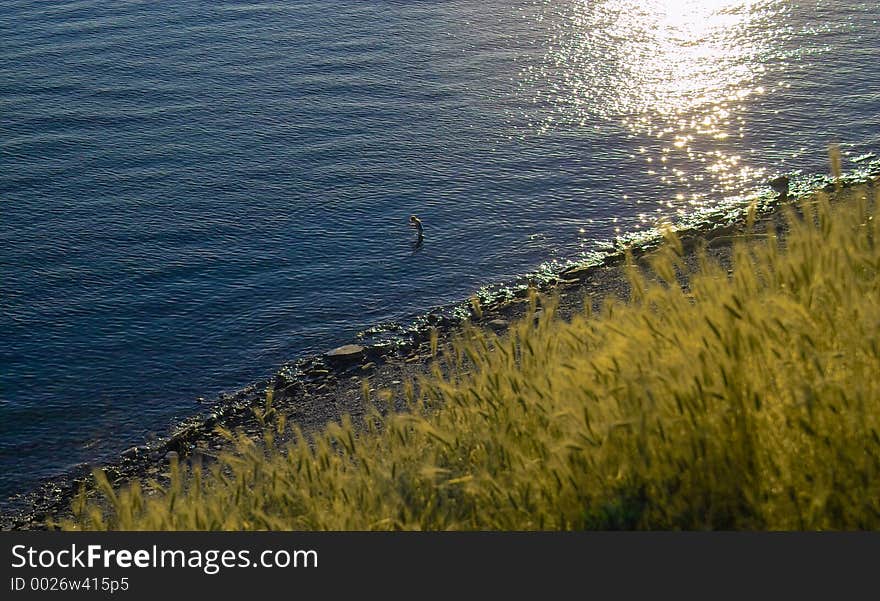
(193, 195)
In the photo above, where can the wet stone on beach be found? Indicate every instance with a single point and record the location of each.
(498, 324)
(346, 354)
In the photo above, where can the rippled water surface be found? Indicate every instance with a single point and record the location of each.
(194, 192)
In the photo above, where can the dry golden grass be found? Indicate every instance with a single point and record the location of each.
(751, 400)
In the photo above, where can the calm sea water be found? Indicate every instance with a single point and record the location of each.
(194, 192)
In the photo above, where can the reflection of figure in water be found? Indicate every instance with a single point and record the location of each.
(420, 236)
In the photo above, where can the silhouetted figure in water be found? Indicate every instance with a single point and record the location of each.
(420, 236)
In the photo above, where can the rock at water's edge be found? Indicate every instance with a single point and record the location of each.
(498, 324)
(346, 353)
(576, 273)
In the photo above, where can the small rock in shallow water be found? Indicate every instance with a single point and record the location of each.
(780, 185)
(130, 452)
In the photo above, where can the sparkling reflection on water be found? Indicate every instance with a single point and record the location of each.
(678, 74)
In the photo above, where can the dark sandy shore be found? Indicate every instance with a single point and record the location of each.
(319, 389)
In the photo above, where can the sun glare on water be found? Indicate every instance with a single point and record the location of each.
(675, 75)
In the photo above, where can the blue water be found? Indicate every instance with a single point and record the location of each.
(195, 192)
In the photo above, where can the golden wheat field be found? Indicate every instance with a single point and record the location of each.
(748, 399)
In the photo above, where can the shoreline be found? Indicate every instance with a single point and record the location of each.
(318, 389)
